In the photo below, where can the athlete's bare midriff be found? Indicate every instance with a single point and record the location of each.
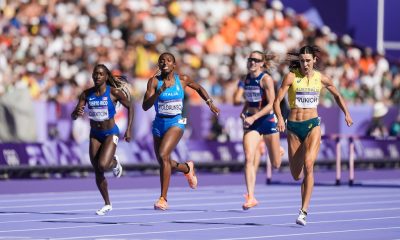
(302, 114)
(103, 125)
(252, 110)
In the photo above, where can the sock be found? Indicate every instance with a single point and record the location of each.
(187, 165)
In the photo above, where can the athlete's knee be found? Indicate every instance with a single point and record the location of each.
(309, 168)
(102, 166)
(249, 163)
(165, 157)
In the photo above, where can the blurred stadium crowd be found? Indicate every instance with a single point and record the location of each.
(51, 46)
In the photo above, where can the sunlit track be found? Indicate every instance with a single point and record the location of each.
(191, 212)
(209, 212)
(290, 196)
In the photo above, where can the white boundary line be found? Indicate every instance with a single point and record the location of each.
(191, 212)
(288, 198)
(303, 234)
(199, 219)
(236, 227)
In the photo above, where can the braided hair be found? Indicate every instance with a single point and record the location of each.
(118, 82)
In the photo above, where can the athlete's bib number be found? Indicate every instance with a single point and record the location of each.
(307, 99)
(172, 107)
(98, 114)
(252, 93)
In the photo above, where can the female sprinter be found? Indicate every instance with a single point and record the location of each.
(101, 100)
(259, 120)
(303, 84)
(165, 91)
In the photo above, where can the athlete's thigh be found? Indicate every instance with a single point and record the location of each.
(296, 155)
(108, 148)
(293, 144)
(156, 145)
(251, 141)
(273, 146)
(312, 144)
(94, 147)
(170, 140)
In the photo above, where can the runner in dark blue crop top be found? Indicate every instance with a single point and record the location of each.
(165, 91)
(101, 100)
(259, 121)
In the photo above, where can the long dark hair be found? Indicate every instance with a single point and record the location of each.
(117, 81)
(293, 57)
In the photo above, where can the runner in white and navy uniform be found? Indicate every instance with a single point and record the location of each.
(104, 133)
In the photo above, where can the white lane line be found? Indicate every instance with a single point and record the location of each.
(199, 219)
(303, 234)
(198, 211)
(93, 194)
(262, 189)
(219, 197)
(236, 227)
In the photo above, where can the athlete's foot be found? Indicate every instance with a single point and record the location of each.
(117, 170)
(104, 210)
(191, 175)
(161, 204)
(301, 219)
(250, 202)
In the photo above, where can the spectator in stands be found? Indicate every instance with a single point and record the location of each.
(259, 121)
(165, 90)
(58, 41)
(377, 127)
(303, 84)
(101, 99)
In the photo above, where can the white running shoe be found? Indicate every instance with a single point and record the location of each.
(301, 219)
(104, 210)
(117, 171)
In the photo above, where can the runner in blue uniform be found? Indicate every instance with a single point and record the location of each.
(259, 120)
(165, 91)
(101, 101)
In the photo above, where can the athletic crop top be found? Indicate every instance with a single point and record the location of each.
(101, 108)
(304, 93)
(253, 92)
(170, 102)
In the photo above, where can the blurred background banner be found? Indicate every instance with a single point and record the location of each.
(205, 140)
(70, 154)
(17, 117)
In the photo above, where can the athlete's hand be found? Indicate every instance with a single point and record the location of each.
(348, 120)
(127, 136)
(78, 112)
(248, 121)
(280, 125)
(214, 109)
